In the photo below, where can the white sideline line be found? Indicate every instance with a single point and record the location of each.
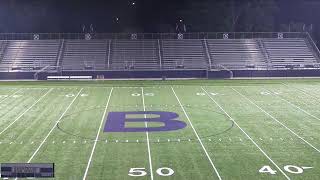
(98, 133)
(195, 132)
(246, 134)
(297, 107)
(10, 95)
(275, 119)
(45, 139)
(25, 111)
(147, 134)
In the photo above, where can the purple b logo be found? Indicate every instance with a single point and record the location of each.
(116, 121)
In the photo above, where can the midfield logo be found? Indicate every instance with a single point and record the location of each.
(116, 121)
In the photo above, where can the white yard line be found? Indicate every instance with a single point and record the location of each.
(297, 107)
(97, 136)
(195, 132)
(302, 90)
(314, 98)
(25, 111)
(147, 134)
(62, 115)
(10, 95)
(275, 119)
(265, 154)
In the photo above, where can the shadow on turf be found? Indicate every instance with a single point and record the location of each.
(205, 108)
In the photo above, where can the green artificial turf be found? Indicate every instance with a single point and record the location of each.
(235, 128)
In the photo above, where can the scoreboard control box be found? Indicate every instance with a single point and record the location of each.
(27, 170)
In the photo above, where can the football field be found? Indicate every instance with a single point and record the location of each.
(158, 130)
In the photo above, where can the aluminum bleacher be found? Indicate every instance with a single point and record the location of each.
(85, 54)
(160, 53)
(3, 45)
(30, 54)
(285, 53)
(236, 53)
(186, 54)
(134, 54)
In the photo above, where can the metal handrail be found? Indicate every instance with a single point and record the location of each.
(196, 35)
(314, 45)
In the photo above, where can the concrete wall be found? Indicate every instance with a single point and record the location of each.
(167, 74)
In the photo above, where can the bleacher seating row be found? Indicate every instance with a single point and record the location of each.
(237, 53)
(134, 54)
(293, 52)
(23, 54)
(156, 54)
(79, 54)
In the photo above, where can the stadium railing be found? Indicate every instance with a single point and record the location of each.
(199, 35)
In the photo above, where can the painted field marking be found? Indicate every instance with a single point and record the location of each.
(45, 139)
(195, 132)
(297, 107)
(147, 134)
(25, 111)
(262, 151)
(301, 90)
(10, 95)
(275, 119)
(97, 136)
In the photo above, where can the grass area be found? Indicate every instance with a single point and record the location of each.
(235, 129)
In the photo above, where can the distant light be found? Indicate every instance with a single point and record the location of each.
(133, 3)
(181, 20)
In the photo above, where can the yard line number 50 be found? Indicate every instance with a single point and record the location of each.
(164, 171)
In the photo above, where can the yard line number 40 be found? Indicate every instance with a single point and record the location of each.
(137, 172)
(289, 168)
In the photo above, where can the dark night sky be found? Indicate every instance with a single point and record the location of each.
(144, 16)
